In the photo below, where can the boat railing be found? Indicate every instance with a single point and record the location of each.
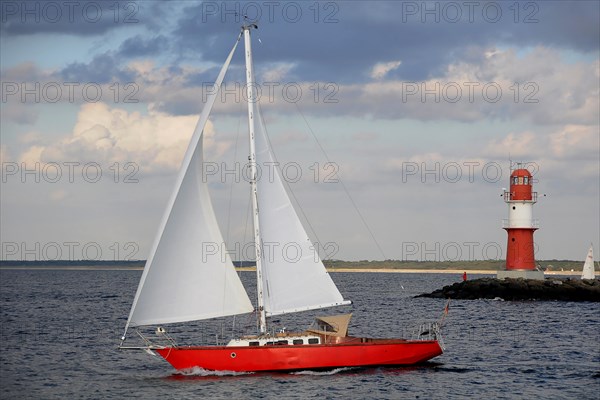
(162, 339)
(508, 196)
(429, 331)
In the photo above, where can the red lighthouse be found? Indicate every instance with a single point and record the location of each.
(520, 226)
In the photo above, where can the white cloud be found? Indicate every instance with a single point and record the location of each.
(380, 70)
(4, 154)
(524, 145)
(107, 135)
(32, 155)
(569, 143)
(575, 141)
(539, 87)
(277, 72)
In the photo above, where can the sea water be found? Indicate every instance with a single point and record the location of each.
(60, 331)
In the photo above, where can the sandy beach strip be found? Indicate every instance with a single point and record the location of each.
(252, 269)
(426, 271)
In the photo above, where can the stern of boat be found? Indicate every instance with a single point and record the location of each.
(429, 331)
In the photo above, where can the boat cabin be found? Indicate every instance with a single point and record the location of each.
(278, 340)
(323, 330)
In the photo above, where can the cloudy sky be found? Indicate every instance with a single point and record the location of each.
(395, 123)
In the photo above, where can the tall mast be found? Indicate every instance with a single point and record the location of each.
(252, 98)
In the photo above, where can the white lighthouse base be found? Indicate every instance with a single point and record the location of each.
(525, 274)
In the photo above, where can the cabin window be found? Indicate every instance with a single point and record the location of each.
(254, 344)
(298, 341)
(269, 343)
(313, 341)
(282, 342)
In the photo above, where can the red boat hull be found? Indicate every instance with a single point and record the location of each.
(290, 357)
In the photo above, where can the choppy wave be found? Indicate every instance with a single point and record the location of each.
(197, 371)
(324, 373)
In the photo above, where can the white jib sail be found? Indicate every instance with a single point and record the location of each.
(588, 266)
(294, 277)
(188, 275)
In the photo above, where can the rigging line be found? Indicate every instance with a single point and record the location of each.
(287, 184)
(342, 183)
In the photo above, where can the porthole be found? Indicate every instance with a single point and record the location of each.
(513, 239)
(233, 355)
(514, 208)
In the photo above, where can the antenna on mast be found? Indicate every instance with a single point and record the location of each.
(248, 24)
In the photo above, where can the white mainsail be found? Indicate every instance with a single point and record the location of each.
(185, 279)
(588, 266)
(294, 277)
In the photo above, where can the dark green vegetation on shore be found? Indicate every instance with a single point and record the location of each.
(73, 264)
(491, 265)
(521, 289)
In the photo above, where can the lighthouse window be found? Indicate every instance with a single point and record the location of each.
(526, 180)
(516, 180)
(520, 180)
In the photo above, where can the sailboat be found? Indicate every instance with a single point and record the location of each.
(588, 265)
(183, 282)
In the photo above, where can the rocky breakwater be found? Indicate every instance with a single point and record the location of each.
(521, 289)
